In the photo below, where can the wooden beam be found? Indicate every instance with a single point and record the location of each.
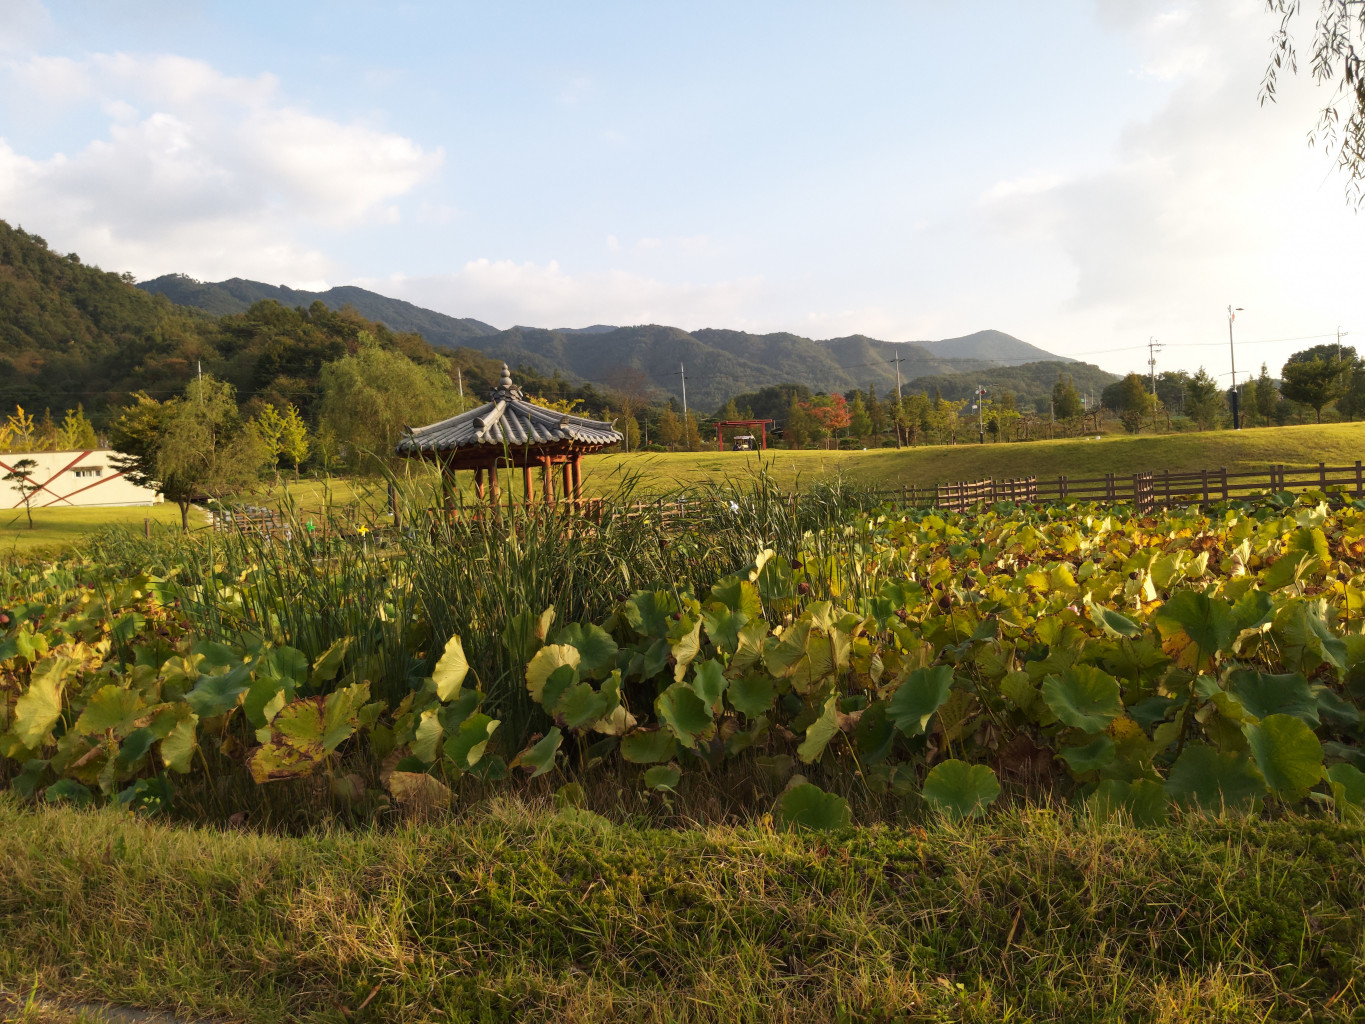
(528, 486)
(478, 482)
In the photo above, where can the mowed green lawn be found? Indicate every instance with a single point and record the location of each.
(59, 528)
(1339, 444)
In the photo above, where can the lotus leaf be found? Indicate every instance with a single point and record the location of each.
(450, 670)
(1215, 782)
(806, 806)
(959, 790)
(917, 698)
(1083, 697)
(1288, 754)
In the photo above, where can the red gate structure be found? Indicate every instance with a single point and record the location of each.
(762, 426)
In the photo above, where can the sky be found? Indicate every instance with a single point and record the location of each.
(1085, 175)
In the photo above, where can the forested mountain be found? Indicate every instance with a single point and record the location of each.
(71, 333)
(238, 295)
(74, 334)
(719, 363)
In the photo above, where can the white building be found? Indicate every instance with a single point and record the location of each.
(73, 479)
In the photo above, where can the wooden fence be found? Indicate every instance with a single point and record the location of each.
(1143, 490)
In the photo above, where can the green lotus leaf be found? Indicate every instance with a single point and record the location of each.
(807, 806)
(37, 711)
(328, 663)
(596, 648)
(1144, 801)
(650, 612)
(724, 626)
(580, 705)
(709, 681)
(112, 707)
(662, 778)
(1264, 695)
(1215, 782)
(1195, 628)
(178, 748)
(264, 699)
(1288, 754)
(1348, 791)
(874, 734)
(1094, 755)
(1112, 622)
(218, 695)
(286, 664)
(69, 789)
(547, 660)
(647, 746)
(450, 670)
(738, 595)
(752, 695)
(686, 714)
(820, 732)
(916, 699)
(339, 712)
(427, 736)
(958, 790)
(468, 745)
(541, 754)
(1083, 697)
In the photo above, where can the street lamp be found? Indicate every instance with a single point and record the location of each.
(1236, 418)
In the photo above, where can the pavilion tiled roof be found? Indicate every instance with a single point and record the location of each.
(508, 419)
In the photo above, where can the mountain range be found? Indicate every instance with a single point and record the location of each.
(718, 363)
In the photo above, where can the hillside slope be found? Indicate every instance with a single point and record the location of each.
(719, 362)
(238, 295)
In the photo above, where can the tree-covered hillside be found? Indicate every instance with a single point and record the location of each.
(238, 295)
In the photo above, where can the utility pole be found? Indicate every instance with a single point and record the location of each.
(682, 372)
(1152, 346)
(1236, 418)
(981, 414)
(1340, 332)
(459, 377)
(896, 419)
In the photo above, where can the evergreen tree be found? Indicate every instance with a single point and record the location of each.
(859, 422)
(1266, 396)
(1204, 400)
(670, 429)
(876, 411)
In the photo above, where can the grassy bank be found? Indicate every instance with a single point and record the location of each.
(62, 528)
(532, 915)
(1253, 449)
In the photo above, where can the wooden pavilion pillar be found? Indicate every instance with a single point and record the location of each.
(527, 485)
(548, 478)
(763, 434)
(578, 476)
(478, 482)
(493, 481)
(567, 472)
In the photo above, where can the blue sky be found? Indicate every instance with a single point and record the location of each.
(1083, 178)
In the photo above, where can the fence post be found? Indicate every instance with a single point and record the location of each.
(1061, 488)
(147, 523)
(1359, 492)
(1223, 471)
(1322, 476)
(1204, 477)
(1166, 482)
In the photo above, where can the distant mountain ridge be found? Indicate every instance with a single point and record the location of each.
(719, 363)
(237, 295)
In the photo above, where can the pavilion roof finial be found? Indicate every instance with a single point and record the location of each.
(505, 389)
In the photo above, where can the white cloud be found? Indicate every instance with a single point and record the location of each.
(1210, 199)
(199, 171)
(505, 292)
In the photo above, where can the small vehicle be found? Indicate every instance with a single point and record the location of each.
(744, 443)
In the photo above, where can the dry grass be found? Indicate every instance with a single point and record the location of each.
(523, 913)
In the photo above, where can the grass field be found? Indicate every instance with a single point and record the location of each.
(1252, 449)
(534, 915)
(62, 528)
